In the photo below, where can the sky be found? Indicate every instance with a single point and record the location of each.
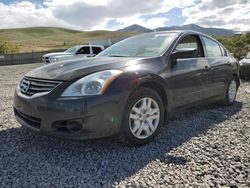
(117, 14)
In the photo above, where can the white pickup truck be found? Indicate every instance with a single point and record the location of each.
(78, 51)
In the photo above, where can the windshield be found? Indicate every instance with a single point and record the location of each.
(149, 45)
(248, 56)
(72, 49)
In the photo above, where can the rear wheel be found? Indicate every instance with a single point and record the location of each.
(143, 117)
(231, 92)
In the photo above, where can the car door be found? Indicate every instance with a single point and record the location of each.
(186, 80)
(219, 67)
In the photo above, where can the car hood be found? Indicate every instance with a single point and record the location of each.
(74, 69)
(57, 54)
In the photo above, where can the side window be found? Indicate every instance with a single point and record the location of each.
(191, 41)
(84, 50)
(96, 50)
(213, 48)
(223, 50)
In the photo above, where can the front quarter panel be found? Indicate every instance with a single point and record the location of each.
(129, 81)
(137, 73)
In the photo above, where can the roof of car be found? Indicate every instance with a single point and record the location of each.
(79, 46)
(179, 32)
(175, 31)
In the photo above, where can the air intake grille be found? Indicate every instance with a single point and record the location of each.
(46, 60)
(32, 121)
(31, 86)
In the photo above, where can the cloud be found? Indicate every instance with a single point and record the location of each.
(231, 14)
(85, 14)
(155, 22)
(26, 14)
(88, 16)
(98, 14)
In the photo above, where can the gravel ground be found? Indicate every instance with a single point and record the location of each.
(208, 147)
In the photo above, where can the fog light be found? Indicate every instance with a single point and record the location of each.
(74, 126)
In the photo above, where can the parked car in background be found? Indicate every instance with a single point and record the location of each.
(75, 51)
(130, 88)
(245, 67)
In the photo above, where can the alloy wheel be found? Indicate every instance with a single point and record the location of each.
(232, 90)
(144, 118)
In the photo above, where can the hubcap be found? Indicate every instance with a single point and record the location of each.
(232, 90)
(144, 118)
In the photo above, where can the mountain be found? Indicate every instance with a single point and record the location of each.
(208, 31)
(136, 28)
(194, 27)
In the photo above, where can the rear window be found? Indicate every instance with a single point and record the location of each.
(223, 51)
(96, 50)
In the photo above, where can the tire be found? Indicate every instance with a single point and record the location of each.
(143, 117)
(231, 92)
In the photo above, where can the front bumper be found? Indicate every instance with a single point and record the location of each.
(71, 118)
(245, 71)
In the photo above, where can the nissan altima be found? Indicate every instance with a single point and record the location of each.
(130, 89)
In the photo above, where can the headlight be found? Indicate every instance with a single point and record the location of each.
(93, 84)
(241, 63)
(54, 59)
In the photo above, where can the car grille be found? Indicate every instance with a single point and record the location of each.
(31, 121)
(31, 86)
(46, 60)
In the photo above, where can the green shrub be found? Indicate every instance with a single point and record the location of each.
(238, 45)
(8, 48)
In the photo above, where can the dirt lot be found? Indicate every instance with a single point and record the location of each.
(208, 147)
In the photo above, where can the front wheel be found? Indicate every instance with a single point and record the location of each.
(231, 92)
(143, 117)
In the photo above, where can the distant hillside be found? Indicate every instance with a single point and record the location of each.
(209, 31)
(48, 38)
(135, 28)
(51, 38)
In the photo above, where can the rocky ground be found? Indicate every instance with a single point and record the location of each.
(208, 147)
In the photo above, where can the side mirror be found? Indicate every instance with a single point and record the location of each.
(184, 53)
(242, 57)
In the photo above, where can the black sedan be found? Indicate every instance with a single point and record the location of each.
(245, 67)
(129, 89)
